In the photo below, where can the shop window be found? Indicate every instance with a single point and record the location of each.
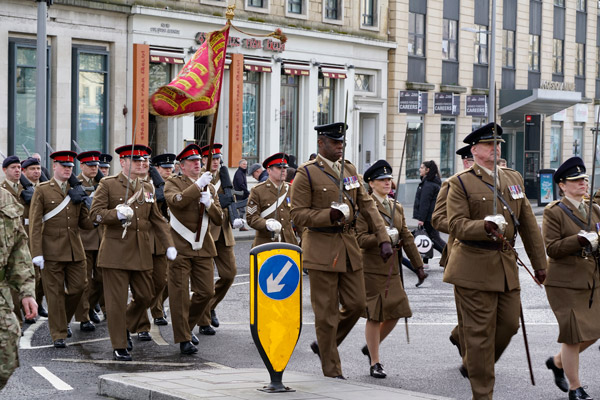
(22, 80)
(288, 112)
(251, 113)
(326, 100)
(478, 122)
(89, 98)
(557, 57)
(555, 144)
(159, 75)
(577, 146)
(414, 145)
(369, 18)
(447, 139)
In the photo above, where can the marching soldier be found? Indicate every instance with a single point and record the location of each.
(223, 236)
(483, 268)
(56, 215)
(15, 271)
(125, 254)
(104, 164)
(85, 313)
(11, 166)
(194, 263)
(270, 199)
(331, 252)
(32, 170)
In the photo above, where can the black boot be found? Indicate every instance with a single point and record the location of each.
(559, 375)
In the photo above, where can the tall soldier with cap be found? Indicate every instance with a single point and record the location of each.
(482, 268)
(125, 254)
(56, 215)
(194, 263)
(104, 164)
(573, 284)
(268, 209)
(331, 252)
(223, 237)
(85, 314)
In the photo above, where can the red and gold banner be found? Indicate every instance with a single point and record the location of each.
(197, 88)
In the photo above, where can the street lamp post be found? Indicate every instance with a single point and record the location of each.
(492, 77)
(41, 78)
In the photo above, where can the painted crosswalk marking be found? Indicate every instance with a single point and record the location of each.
(53, 379)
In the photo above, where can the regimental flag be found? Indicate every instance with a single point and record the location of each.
(197, 88)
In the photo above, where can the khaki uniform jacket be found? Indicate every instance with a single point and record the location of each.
(483, 269)
(225, 227)
(439, 220)
(17, 195)
(311, 197)
(158, 248)
(58, 238)
(262, 196)
(134, 252)
(566, 267)
(372, 262)
(90, 238)
(183, 198)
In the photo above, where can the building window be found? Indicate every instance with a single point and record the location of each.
(295, 6)
(414, 144)
(580, 61)
(363, 83)
(160, 75)
(368, 15)
(478, 122)
(581, 6)
(326, 100)
(256, 3)
(578, 140)
(534, 53)
(598, 61)
(288, 138)
(90, 75)
(447, 156)
(559, 3)
(481, 45)
(555, 144)
(250, 116)
(332, 9)
(508, 49)
(450, 40)
(557, 57)
(416, 34)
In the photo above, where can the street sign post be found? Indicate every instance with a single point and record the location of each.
(276, 306)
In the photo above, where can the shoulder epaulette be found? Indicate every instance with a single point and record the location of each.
(111, 177)
(552, 204)
(43, 183)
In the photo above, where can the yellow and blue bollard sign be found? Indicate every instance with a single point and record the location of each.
(276, 306)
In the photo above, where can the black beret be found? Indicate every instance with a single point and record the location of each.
(10, 160)
(30, 161)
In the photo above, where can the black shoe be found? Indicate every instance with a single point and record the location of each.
(422, 279)
(559, 375)
(60, 343)
(579, 394)
(314, 346)
(340, 377)
(69, 331)
(463, 371)
(97, 308)
(207, 330)
(94, 317)
(29, 321)
(144, 336)
(195, 340)
(162, 321)
(42, 311)
(365, 351)
(214, 321)
(87, 326)
(187, 348)
(457, 344)
(121, 355)
(129, 342)
(377, 371)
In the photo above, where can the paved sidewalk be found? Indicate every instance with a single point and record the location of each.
(242, 384)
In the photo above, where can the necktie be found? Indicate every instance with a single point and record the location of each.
(386, 204)
(63, 187)
(336, 167)
(582, 210)
(16, 187)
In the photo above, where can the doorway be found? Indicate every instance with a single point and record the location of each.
(367, 153)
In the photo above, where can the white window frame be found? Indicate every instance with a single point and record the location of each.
(304, 14)
(340, 18)
(376, 16)
(375, 82)
(264, 9)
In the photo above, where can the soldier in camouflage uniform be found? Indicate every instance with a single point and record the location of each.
(16, 272)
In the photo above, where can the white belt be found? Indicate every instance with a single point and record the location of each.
(188, 235)
(58, 209)
(217, 186)
(270, 210)
(26, 221)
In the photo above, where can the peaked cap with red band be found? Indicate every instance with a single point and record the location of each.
(140, 152)
(216, 151)
(89, 157)
(65, 157)
(276, 160)
(190, 152)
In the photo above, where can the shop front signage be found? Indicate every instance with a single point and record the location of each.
(446, 104)
(553, 85)
(248, 43)
(165, 28)
(412, 102)
(476, 106)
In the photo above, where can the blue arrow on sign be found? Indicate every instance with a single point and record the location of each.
(278, 277)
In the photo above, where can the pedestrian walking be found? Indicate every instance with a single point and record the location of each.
(240, 183)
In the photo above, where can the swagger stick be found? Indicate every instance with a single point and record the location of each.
(341, 196)
(589, 221)
(526, 345)
(495, 201)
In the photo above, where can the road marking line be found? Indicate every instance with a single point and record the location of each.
(164, 364)
(68, 344)
(25, 341)
(241, 283)
(156, 336)
(217, 365)
(53, 379)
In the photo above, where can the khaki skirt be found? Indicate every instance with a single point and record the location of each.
(381, 307)
(577, 322)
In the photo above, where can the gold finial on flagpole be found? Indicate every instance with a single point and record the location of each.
(229, 14)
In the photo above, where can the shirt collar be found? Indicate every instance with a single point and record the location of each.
(573, 201)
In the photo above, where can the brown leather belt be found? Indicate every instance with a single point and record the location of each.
(482, 244)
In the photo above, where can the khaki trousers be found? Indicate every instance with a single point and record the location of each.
(333, 323)
(489, 320)
(159, 281)
(83, 308)
(63, 285)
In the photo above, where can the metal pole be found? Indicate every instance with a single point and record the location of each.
(41, 81)
(492, 77)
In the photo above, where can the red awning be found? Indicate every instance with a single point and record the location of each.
(257, 68)
(168, 60)
(296, 71)
(334, 73)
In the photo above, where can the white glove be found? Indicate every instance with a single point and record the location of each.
(171, 253)
(393, 234)
(124, 212)
(499, 220)
(206, 199)
(39, 261)
(204, 180)
(343, 207)
(238, 223)
(273, 225)
(591, 237)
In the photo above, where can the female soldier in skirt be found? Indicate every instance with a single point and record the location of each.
(572, 284)
(386, 299)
